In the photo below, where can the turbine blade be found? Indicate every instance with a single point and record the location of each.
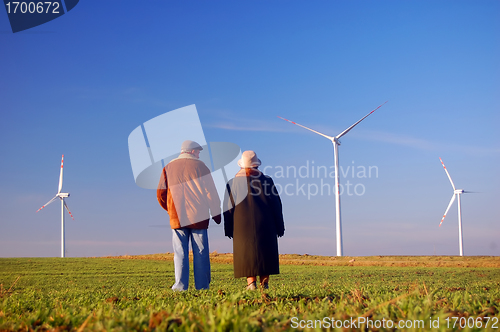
(67, 208)
(47, 203)
(472, 192)
(354, 125)
(61, 175)
(449, 206)
(314, 131)
(449, 177)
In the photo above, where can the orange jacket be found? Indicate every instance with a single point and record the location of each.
(187, 192)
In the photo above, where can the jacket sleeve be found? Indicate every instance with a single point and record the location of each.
(228, 207)
(277, 210)
(161, 192)
(211, 194)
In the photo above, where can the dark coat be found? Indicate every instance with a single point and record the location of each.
(254, 220)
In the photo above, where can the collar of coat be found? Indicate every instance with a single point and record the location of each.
(186, 156)
(253, 172)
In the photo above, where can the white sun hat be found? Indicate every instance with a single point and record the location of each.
(249, 159)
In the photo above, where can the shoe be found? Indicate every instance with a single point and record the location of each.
(252, 286)
(265, 285)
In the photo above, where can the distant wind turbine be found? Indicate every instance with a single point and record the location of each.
(456, 194)
(336, 142)
(61, 196)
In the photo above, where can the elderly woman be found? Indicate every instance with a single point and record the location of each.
(254, 220)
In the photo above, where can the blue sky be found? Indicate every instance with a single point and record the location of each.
(78, 86)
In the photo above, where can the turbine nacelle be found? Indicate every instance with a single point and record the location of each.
(63, 195)
(459, 191)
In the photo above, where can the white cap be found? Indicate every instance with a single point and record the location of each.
(188, 146)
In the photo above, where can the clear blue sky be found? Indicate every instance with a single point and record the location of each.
(80, 84)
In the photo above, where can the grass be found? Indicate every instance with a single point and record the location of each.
(133, 293)
(401, 261)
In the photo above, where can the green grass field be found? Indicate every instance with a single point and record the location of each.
(315, 293)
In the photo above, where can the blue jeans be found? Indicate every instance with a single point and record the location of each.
(201, 258)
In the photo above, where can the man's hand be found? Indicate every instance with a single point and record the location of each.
(217, 219)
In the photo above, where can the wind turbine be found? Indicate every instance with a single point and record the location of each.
(456, 194)
(61, 196)
(336, 142)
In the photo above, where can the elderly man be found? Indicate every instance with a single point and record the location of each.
(187, 192)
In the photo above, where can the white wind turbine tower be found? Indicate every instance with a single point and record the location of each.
(456, 194)
(61, 196)
(336, 142)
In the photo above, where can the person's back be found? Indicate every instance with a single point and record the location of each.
(187, 191)
(192, 193)
(254, 219)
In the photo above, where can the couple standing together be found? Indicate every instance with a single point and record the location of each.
(253, 217)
